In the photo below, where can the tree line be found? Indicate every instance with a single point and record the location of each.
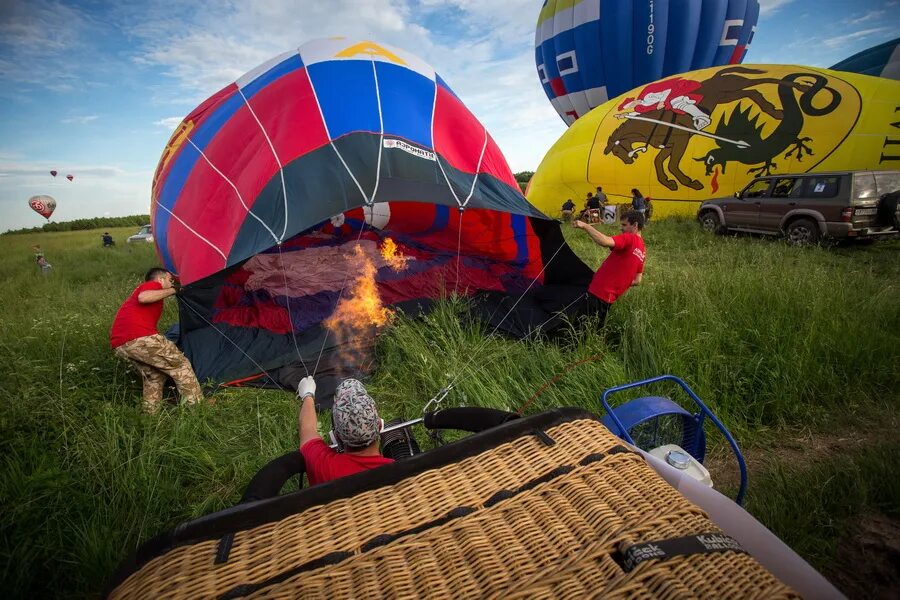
(82, 224)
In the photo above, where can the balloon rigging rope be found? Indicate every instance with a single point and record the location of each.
(458, 247)
(509, 312)
(189, 228)
(277, 160)
(233, 343)
(236, 191)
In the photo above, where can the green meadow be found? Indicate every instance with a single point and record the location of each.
(796, 350)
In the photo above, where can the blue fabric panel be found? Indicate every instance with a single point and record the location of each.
(441, 218)
(615, 39)
(548, 50)
(750, 20)
(346, 107)
(712, 17)
(737, 9)
(539, 60)
(590, 55)
(407, 100)
(520, 233)
(684, 22)
(565, 42)
(649, 39)
(286, 66)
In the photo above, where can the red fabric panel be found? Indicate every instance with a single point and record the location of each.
(288, 111)
(458, 136)
(495, 164)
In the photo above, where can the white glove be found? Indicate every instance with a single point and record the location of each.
(307, 387)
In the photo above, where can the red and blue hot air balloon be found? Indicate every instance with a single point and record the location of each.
(270, 191)
(588, 51)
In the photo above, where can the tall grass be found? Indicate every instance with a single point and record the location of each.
(772, 337)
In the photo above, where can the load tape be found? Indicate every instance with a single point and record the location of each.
(702, 543)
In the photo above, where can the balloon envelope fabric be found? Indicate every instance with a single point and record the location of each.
(588, 51)
(280, 191)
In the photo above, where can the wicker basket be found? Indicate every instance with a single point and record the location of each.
(543, 507)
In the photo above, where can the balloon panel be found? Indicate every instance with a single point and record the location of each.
(707, 133)
(588, 51)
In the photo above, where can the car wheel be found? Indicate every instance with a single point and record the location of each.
(710, 222)
(802, 232)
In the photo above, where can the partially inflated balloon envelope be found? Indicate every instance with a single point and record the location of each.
(708, 133)
(43, 205)
(340, 170)
(587, 51)
(882, 60)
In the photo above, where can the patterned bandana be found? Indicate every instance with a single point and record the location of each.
(354, 416)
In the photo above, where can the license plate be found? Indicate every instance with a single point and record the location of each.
(865, 211)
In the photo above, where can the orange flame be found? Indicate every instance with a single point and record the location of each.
(361, 306)
(392, 257)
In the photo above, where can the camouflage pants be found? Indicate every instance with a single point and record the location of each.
(157, 359)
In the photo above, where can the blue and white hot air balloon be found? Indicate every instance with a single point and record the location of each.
(588, 51)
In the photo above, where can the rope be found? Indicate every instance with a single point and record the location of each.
(287, 301)
(556, 378)
(458, 248)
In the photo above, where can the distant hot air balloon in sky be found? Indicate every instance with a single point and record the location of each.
(588, 51)
(53, 173)
(70, 177)
(43, 205)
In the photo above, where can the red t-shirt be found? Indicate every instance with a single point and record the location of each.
(134, 319)
(324, 464)
(619, 269)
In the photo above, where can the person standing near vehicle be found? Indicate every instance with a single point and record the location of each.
(622, 269)
(134, 337)
(356, 425)
(107, 240)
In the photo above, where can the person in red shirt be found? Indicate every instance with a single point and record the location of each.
(623, 268)
(134, 337)
(357, 428)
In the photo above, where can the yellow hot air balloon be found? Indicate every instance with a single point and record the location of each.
(707, 133)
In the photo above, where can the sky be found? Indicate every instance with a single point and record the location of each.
(94, 89)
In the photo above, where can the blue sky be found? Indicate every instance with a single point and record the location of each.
(94, 88)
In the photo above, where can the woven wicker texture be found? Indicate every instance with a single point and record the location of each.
(522, 520)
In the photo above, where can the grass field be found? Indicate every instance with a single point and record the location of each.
(781, 342)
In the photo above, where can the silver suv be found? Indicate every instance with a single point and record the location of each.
(809, 206)
(145, 234)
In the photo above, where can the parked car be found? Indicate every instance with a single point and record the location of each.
(808, 207)
(145, 234)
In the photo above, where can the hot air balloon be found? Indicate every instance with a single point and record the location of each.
(70, 177)
(53, 173)
(588, 51)
(43, 205)
(882, 60)
(290, 190)
(752, 120)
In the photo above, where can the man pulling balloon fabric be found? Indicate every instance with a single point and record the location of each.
(134, 337)
(356, 425)
(623, 268)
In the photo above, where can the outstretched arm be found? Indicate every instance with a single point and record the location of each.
(307, 421)
(600, 238)
(151, 296)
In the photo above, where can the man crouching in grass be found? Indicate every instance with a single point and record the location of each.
(134, 336)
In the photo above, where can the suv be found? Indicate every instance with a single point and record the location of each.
(806, 207)
(145, 234)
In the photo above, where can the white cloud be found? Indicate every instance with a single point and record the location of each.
(80, 120)
(848, 38)
(872, 14)
(169, 123)
(770, 7)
